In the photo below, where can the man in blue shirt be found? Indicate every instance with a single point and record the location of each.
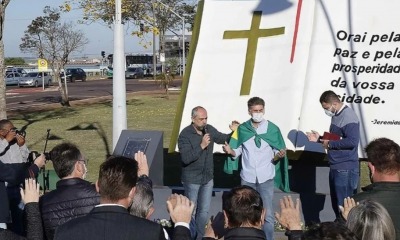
(342, 153)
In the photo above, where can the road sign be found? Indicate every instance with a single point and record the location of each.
(42, 64)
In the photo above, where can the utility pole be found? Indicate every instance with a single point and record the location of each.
(119, 89)
(154, 42)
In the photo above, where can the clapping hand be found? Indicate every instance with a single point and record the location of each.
(180, 208)
(313, 136)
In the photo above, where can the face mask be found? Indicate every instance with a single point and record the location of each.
(84, 174)
(329, 113)
(257, 117)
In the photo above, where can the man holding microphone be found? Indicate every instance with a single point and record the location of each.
(195, 144)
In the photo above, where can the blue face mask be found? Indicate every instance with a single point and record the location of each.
(329, 112)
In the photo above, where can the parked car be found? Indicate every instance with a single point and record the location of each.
(134, 72)
(16, 70)
(109, 72)
(74, 74)
(158, 71)
(35, 79)
(12, 78)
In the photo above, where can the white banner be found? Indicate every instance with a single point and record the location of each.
(288, 53)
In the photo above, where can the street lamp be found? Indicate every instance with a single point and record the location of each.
(119, 89)
(154, 42)
(183, 34)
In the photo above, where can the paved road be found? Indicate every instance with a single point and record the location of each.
(22, 98)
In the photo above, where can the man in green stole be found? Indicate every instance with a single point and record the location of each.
(264, 161)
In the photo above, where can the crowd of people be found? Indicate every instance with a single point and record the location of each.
(120, 204)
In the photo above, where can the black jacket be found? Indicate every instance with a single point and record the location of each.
(34, 225)
(110, 223)
(12, 174)
(72, 198)
(387, 194)
(243, 233)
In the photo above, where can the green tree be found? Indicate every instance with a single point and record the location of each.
(3, 112)
(49, 38)
(14, 61)
(151, 14)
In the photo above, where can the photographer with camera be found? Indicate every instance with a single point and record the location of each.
(13, 151)
(12, 144)
(73, 197)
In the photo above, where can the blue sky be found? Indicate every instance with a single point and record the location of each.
(20, 13)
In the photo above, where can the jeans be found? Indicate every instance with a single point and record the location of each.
(342, 184)
(200, 194)
(266, 190)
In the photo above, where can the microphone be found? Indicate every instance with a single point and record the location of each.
(205, 130)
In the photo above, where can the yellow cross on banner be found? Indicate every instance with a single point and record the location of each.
(252, 35)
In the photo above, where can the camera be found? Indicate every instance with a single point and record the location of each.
(20, 132)
(34, 154)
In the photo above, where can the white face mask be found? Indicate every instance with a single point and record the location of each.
(329, 113)
(84, 174)
(257, 117)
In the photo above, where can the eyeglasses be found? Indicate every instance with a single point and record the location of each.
(84, 161)
(9, 130)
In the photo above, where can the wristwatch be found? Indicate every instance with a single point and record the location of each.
(143, 176)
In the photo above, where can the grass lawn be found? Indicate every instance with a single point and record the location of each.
(90, 127)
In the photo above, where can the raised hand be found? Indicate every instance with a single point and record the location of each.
(31, 192)
(290, 213)
(348, 203)
(143, 166)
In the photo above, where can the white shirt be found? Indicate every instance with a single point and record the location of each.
(15, 153)
(257, 163)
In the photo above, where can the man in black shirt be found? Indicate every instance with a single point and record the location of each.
(195, 144)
